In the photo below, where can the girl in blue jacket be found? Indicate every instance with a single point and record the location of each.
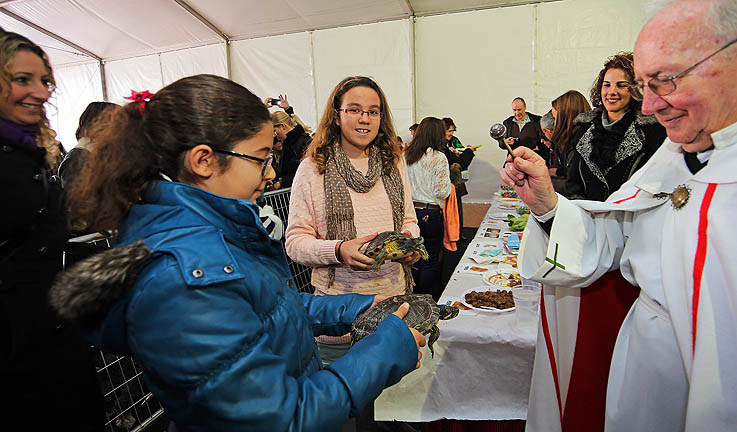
(198, 291)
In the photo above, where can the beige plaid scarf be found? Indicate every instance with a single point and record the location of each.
(340, 175)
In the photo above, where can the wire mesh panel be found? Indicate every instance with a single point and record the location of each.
(129, 405)
(279, 201)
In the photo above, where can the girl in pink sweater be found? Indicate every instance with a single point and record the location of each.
(352, 185)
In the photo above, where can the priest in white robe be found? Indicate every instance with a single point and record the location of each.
(668, 230)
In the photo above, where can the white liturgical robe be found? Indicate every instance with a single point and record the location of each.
(674, 365)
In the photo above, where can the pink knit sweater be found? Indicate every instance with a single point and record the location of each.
(305, 235)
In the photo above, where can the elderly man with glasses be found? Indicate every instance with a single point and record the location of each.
(668, 230)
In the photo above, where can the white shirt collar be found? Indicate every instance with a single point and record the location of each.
(725, 137)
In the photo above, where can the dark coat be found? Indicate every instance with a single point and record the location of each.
(45, 366)
(293, 148)
(463, 160)
(586, 179)
(529, 136)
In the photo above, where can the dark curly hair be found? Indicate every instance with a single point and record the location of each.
(624, 61)
(328, 130)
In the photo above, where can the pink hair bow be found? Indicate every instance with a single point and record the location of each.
(141, 97)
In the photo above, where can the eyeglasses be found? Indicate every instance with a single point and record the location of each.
(664, 85)
(355, 112)
(266, 162)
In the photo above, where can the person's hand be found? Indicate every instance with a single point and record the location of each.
(409, 259)
(351, 256)
(509, 141)
(454, 150)
(553, 171)
(419, 338)
(283, 103)
(528, 174)
(267, 102)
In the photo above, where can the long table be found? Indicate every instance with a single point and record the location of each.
(483, 362)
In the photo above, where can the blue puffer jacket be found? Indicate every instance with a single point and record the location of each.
(226, 341)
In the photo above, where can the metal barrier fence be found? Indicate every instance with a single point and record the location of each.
(279, 201)
(129, 405)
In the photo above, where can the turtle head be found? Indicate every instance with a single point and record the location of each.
(447, 311)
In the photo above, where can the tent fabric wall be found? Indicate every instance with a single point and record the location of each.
(140, 73)
(382, 51)
(575, 37)
(77, 87)
(469, 67)
(278, 65)
(210, 59)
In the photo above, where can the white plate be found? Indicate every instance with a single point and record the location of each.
(502, 215)
(492, 277)
(491, 309)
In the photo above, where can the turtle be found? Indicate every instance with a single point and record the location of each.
(423, 315)
(392, 245)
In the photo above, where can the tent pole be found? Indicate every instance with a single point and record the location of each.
(202, 19)
(103, 81)
(50, 34)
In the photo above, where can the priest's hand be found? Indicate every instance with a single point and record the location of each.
(528, 174)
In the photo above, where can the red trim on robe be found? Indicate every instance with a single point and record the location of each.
(551, 352)
(625, 199)
(698, 267)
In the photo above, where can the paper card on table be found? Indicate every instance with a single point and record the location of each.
(473, 269)
(513, 241)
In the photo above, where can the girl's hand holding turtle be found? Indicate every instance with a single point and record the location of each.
(348, 252)
(419, 338)
(409, 259)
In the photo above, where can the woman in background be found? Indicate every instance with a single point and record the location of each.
(615, 139)
(429, 176)
(74, 159)
(566, 108)
(46, 369)
(294, 137)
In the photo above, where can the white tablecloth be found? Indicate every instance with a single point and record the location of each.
(483, 361)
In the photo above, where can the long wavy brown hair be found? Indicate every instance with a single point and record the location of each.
(328, 130)
(10, 44)
(430, 134)
(568, 105)
(134, 146)
(624, 61)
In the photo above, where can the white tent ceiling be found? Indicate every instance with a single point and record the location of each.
(78, 31)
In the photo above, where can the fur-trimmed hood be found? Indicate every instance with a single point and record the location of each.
(588, 117)
(85, 292)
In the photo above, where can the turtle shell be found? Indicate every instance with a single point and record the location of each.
(390, 245)
(423, 314)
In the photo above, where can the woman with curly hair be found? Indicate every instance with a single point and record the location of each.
(352, 185)
(45, 365)
(615, 139)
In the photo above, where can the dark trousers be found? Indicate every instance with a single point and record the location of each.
(427, 273)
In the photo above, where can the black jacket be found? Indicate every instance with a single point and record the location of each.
(44, 362)
(590, 180)
(293, 148)
(529, 136)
